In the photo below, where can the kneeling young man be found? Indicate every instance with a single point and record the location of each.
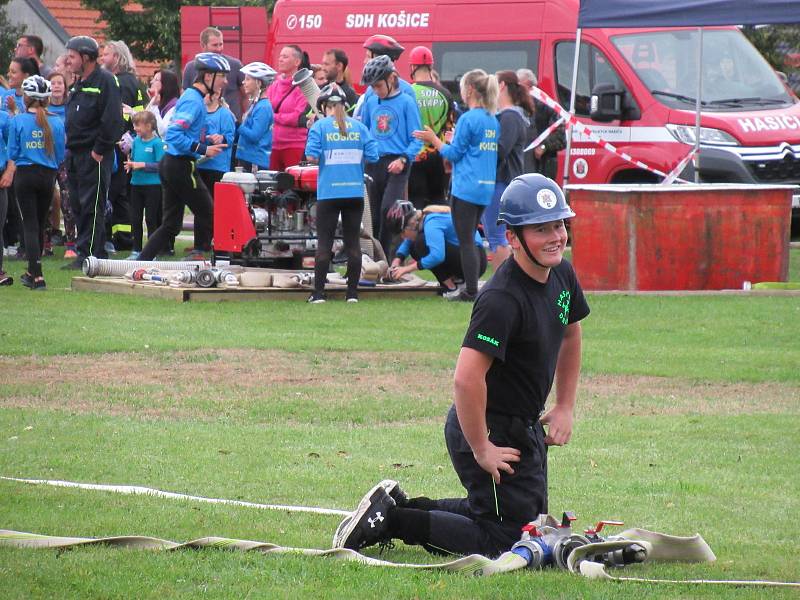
(524, 333)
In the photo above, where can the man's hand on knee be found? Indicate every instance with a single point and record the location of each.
(494, 459)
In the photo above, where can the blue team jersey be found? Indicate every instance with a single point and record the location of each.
(146, 151)
(370, 96)
(473, 153)
(391, 121)
(5, 121)
(341, 157)
(18, 100)
(439, 230)
(59, 110)
(255, 134)
(26, 141)
(186, 134)
(223, 122)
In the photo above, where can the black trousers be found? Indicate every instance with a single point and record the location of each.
(489, 520)
(34, 186)
(145, 204)
(181, 187)
(88, 187)
(428, 181)
(466, 217)
(119, 231)
(3, 213)
(328, 212)
(450, 267)
(384, 190)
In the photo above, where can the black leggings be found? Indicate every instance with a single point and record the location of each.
(145, 203)
(182, 187)
(328, 212)
(466, 217)
(34, 186)
(384, 190)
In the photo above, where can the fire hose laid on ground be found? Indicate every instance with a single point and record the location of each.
(545, 543)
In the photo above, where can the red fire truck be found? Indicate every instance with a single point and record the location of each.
(750, 122)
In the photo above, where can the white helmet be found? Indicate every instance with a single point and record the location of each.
(261, 71)
(36, 87)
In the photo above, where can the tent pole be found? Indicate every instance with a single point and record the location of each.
(696, 159)
(572, 106)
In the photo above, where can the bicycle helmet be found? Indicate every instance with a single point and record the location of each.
(332, 94)
(383, 45)
(531, 199)
(398, 215)
(377, 69)
(420, 56)
(83, 44)
(211, 62)
(36, 87)
(261, 71)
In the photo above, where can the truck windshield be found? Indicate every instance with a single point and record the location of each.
(735, 75)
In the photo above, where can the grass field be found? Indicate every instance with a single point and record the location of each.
(688, 421)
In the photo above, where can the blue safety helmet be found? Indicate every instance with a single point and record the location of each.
(531, 199)
(211, 62)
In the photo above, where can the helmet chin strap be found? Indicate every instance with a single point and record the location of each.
(210, 90)
(518, 232)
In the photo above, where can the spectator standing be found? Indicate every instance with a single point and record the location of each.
(341, 146)
(473, 153)
(514, 104)
(147, 151)
(18, 70)
(31, 46)
(427, 183)
(36, 145)
(164, 92)
(94, 125)
(334, 63)
(290, 109)
(186, 142)
(255, 133)
(391, 119)
(211, 41)
(544, 158)
(6, 179)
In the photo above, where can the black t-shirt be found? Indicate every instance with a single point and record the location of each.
(520, 323)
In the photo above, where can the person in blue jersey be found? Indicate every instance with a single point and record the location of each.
(53, 234)
(254, 147)
(430, 239)
(381, 45)
(392, 120)
(36, 142)
(19, 69)
(6, 179)
(341, 146)
(147, 150)
(221, 129)
(473, 154)
(186, 142)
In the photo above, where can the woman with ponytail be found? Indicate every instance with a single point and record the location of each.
(513, 103)
(36, 146)
(341, 145)
(255, 133)
(473, 154)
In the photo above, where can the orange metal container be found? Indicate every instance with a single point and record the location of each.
(680, 237)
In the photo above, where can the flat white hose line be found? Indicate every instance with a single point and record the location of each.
(594, 570)
(138, 490)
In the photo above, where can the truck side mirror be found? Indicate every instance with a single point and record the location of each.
(606, 102)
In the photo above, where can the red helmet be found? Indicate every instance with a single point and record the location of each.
(420, 56)
(383, 45)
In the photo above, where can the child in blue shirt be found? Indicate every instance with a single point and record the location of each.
(473, 153)
(341, 145)
(220, 126)
(147, 150)
(36, 143)
(255, 133)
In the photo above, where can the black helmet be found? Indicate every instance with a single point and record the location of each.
(83, 44)
(332, 94)
(377, 69)
(381, 45)
(398, 215)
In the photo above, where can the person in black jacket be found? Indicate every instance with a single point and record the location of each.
(94, 125)
(544, 158)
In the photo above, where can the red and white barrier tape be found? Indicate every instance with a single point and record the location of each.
(580, 127)
(544, 134)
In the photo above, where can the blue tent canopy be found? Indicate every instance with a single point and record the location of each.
(686, 13)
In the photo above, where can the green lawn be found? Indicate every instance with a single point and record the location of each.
(687, 422)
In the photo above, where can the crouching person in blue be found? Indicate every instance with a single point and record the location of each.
(430, 239)
(524, 334)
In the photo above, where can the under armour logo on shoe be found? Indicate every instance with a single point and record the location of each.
(378, 517)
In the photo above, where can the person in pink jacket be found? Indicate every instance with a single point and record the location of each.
(291, 109)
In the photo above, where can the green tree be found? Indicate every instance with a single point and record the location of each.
(154, 32)
(9, 36)
(774, 41)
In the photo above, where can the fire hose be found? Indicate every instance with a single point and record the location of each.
(588, 556)
(101, 267)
